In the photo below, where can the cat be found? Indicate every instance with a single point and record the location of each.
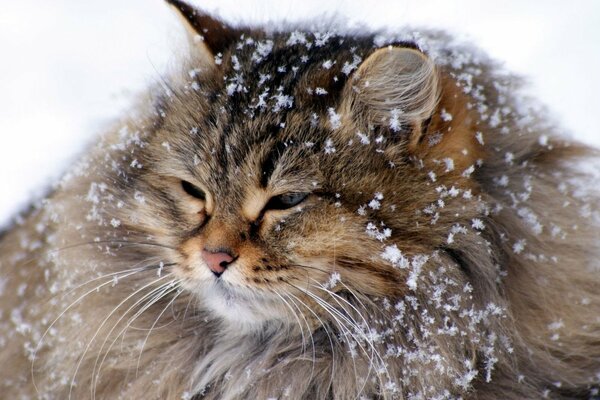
(299, 214)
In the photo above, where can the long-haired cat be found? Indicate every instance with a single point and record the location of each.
(312, 215)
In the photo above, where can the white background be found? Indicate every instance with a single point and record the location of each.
(67, 66)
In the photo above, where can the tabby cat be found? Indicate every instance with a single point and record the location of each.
(296, 214)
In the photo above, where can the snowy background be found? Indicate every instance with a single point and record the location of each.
(68, 67)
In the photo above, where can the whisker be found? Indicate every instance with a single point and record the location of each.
(140, 269)
(72, 384)
(308, 328)
(186, 310)
(179, 291)
(336, 315)
(333, 365)
(287, 304)
(75, 302)
(112, 241)
(374, 351)
(152, 293)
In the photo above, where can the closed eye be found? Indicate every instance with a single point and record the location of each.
(285, 201)
(193, 190)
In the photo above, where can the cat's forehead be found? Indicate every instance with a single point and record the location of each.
(267, 108)
(265, 75)
(267, 96)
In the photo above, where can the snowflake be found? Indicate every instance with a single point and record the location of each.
(476, 223)
(395, 124)
(364, 139)
(328, 64)
(445, 115)
(335, 119)
(519, 246)
(395, 256)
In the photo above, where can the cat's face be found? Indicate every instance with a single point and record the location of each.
(260, 212)
(280, 186)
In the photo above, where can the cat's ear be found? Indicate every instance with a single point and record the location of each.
(402, 90)
(204, 31)
(395, 86)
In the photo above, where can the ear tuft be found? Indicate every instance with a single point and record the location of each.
(395, 85)
(216, 36)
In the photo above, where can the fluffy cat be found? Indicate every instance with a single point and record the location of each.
(312, 215)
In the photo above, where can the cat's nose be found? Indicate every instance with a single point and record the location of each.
(217, 260)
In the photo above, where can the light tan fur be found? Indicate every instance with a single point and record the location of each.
(445, 244)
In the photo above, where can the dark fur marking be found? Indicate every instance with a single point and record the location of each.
(270, 162)
(458, 259)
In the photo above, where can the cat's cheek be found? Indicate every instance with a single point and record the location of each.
(192, 267)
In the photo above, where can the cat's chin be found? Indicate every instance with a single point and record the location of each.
(242, 308)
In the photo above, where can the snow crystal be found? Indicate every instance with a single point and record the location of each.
(416, 263)
(335, 119)
(395, 256)
(321, 38)
(467, 172)
(374, 232)
(476, 223)
(328, 64)
(236, 63)
(329, 149)
(296, 38)
(434, 139)
(334, 279)
(445, 115)
(449, 164)
(395, 124)
(479, 137)
(364, 139)
(519, 246)
(282, 101)
(263, 49)
(262, 78)
(374, 204)
(219, 59)
(349, 67)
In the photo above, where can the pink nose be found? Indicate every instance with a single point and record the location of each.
(216, 261)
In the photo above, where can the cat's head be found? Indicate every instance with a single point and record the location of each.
(287, 168)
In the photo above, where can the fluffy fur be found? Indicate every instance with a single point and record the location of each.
(446, 247)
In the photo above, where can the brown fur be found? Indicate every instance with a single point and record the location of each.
(485, 286)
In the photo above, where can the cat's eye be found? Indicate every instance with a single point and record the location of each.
(285, 201)
(193, 190)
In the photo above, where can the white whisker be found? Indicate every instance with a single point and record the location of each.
(170, 289)
(155, 295)
(71, 305)
(100, 327)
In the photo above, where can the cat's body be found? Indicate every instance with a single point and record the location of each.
(310, 216)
